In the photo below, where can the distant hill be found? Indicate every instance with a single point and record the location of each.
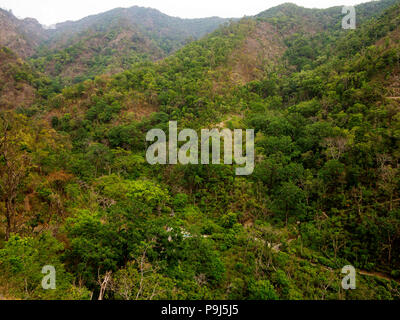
(109, 42)
(21, 36)
(165, 30)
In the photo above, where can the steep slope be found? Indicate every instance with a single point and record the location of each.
(391, 80)
(21, 36)
(15, 85)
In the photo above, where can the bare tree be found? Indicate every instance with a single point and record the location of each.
(104, 283)
(336, 147)
(388, 182)
(139, 280)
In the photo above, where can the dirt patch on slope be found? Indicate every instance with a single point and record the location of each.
(263, 47)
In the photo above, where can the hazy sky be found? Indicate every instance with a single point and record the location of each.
(52, 11)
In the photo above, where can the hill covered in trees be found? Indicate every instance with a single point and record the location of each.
(324, 103)
(109, 42)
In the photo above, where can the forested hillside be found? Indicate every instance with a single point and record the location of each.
(109, 42)
(325, 192)
(113, 41)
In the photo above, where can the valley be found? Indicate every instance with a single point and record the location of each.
(77, 102)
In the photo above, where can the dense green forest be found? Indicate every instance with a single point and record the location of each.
(77, 193)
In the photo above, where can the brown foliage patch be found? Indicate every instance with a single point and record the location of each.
(261, 48)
